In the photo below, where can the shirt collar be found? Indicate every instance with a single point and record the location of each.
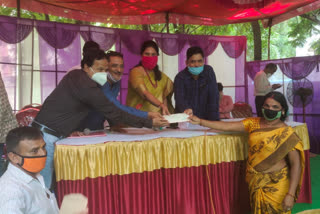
(21, 175)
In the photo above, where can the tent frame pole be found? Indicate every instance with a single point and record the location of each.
(18, 9)
(167, 22)
(269, 36)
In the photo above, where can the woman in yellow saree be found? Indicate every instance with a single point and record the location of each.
(275, 158)
(149, 88)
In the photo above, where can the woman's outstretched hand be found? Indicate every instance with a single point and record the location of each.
(194, 120)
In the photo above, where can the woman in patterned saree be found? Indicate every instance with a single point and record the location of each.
(149, 88)
(275, 158)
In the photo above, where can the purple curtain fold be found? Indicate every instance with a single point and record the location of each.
(86, 35)
(133, 39)
(14, 33)
(300, 67)
(57, 35)
(252, 68)
(208, 44)
(234, 48)
(170, 44)
(105, 37)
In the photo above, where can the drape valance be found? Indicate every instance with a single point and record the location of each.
(59, 35)
(295, 68)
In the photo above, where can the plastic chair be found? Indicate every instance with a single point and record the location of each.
(27, 114)
(241, 110)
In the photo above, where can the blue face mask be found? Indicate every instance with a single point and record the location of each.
(195, 70)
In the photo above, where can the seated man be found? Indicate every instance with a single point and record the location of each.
(22, 187)
(111, 90)
(195, 87)
(78, 93)
(225, 103)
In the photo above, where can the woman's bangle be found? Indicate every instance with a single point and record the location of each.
(291, 195)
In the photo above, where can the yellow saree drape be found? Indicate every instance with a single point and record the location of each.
(266, 148)
(139, 81)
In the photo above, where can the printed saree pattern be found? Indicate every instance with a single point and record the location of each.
(267, 147)
(162, 89)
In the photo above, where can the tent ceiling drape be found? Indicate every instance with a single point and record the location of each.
(204, 12)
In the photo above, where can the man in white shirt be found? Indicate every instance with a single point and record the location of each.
(262, 86)
(22, 188)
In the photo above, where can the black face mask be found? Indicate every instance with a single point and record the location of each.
(271, 114)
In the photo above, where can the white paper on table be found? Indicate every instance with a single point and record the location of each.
(73, 203)
(177, 118)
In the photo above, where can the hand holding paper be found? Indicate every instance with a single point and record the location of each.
(176, 118)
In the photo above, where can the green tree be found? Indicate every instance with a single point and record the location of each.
(303, 27)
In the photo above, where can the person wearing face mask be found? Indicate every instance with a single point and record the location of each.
(22, 187)
(275, 162)
(78, 93)
(262, 85)
(111, 89)
(149, 88)
(195, 87)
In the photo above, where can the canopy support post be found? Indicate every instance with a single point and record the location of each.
(18, 9)
(167, 22)
(269, 36)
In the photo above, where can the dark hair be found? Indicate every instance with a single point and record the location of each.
(220, 86)
(15, 136)
(148, 44)
(271, 67)
(152, 44)
(113, 53)
(194, 50)
(92, 55)
(279, 97)
(90, 45)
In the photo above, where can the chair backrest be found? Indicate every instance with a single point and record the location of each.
(241, 110)
(27, 114)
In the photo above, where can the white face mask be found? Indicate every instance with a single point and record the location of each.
(114, 80)
(99, 77)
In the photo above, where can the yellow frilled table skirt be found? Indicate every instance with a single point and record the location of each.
(77, 162)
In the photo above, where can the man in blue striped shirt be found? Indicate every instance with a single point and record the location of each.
(111, 89)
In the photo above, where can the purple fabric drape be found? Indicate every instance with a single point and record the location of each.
(105, 37)
(234, 48)
(299, 68)
(241, 80)
(170, 44)
(13, 31)
(57, 35)
(55, 63)
(134, 39)
(252, 69)
(207, 44)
